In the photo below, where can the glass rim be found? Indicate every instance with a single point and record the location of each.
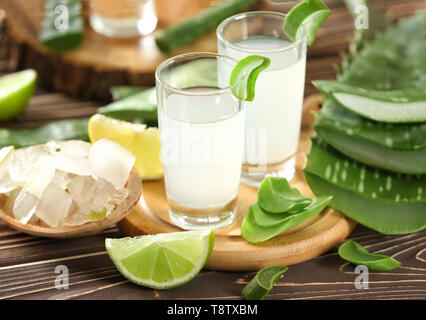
(240, 16)
(172, 60)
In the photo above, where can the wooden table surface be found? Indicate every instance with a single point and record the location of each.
(27, 263)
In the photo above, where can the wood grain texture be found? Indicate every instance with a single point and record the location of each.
(27, 263)
(231, 252)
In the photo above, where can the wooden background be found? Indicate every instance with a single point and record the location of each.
(27, 263)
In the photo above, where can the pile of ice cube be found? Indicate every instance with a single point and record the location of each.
(64, 183)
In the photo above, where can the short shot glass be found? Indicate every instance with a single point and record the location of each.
(123, 18)
(202, 134)
(273, 119)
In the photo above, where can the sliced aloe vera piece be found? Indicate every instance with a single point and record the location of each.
(357, 254)
(276, 195)
(305, 19)
(244, 75)
(255, 233)
(386, 202)
(263, 282)
(399, 148)
(396, 106)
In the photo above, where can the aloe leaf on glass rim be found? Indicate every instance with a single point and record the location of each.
(353, 252)
(394, 106)
(398, 148)
(383, 201)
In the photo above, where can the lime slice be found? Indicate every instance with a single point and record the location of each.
(244, 75)
(15, 92)
(306, 17)
(161, 261)
(263, 282)
(143, 142)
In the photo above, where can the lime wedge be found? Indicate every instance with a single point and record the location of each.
(244, 75)
(263, 282)
(305, 17)
(161, 261)
(15, 92)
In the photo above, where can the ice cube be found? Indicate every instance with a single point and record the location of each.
(111, 161)
(25, 206)
(54, 206)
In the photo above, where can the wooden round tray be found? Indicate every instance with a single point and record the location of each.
(100, 62)
(231, 252)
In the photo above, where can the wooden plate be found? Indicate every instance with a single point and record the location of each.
(100, 62)
(231, 252)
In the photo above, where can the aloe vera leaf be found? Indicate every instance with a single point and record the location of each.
(394, 60)
(62, 34)
(254, 233)
(275, 195)
(399, 148)
(121, 92)
(71, 129)
(401, 161)
(186, 32)
(386, 202)
(369, 182)
(142, 106)
(396, 106)
(394, 136)
(383, 216)
(266, 219)
(262, 283)
(353, 252)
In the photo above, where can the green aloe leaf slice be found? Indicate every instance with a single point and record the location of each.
(255, 233)
(395, 106)
(275, 195)
(263, 282)
(353, 252)
(305, 18)
(244, 75)
(266, 219)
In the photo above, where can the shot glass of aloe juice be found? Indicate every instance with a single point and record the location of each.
(202, 133)
(273, 119)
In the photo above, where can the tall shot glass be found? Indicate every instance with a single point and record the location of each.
(273, 119)
(202, 133)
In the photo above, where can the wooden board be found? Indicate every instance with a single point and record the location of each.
(100, 62)
(231, 252)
